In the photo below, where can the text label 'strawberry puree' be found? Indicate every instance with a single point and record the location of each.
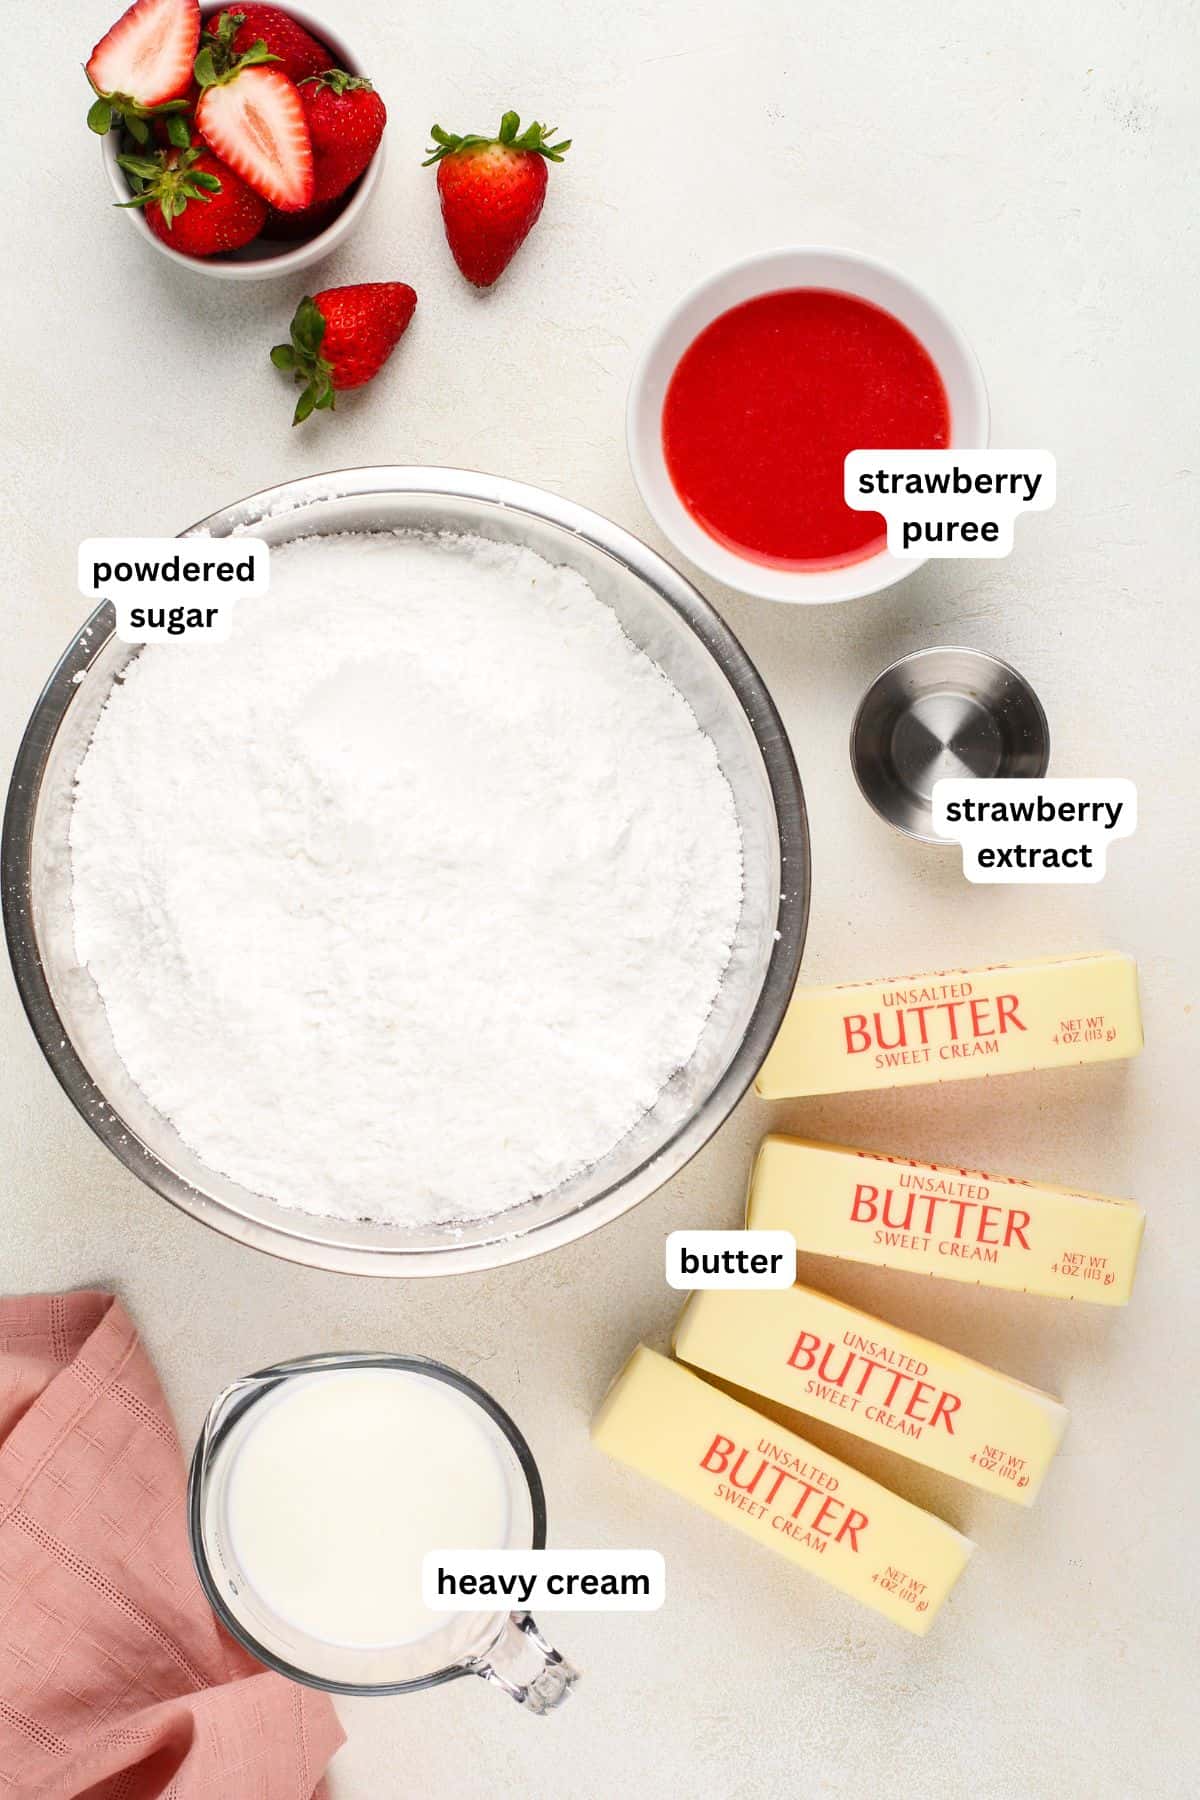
(766, 404)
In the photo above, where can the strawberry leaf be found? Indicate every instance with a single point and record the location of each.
(205, 68)
(302, 357)
(340, 82)
(170, 180)
(216, 63)
(257, 53)
(100, 116)
(308, 328)
(535, 139)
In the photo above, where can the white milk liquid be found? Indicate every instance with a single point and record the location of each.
(341, 1483)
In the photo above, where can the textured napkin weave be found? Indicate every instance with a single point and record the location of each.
(116, 1682)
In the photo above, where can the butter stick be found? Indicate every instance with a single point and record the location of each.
(727, 1459)
(993, 1230)
(827, 1359)
(958, 1023)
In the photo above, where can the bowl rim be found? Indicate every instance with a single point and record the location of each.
(300, 256)
(762, 580)
(289, 1240)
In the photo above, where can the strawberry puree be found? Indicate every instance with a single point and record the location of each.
(764, 406)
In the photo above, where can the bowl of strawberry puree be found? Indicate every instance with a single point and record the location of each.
(267, 258)
(753, 391)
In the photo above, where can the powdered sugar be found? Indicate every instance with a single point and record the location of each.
(407, 901)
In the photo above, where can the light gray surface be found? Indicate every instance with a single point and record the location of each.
(1030, 164)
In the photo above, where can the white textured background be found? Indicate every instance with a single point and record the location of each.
(1029, 163)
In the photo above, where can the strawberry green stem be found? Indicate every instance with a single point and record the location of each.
(535, 138)
(172, 181)
(340, 82)
(108, 110)
(216, 63)
(302, 357)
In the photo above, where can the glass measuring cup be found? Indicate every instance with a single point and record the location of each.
(503, 1647)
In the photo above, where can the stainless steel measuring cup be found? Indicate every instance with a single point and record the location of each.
(943, 711)
(504, 1648)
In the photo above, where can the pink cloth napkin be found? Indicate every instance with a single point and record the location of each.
(116, 1682)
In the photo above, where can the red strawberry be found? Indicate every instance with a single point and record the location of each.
(193, 202)
(492, 190)
(144, 64)
(346, 118)
(343, 337)
(300, 55)
(251, 115)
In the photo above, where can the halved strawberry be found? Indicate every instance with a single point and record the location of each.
(251, 115)
(143, 65)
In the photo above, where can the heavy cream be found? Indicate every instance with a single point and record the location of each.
(340, 1482)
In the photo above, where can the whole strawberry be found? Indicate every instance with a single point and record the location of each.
(346, 118)
(341, 338)
(492, 191)
(194, 202)
(300, 54)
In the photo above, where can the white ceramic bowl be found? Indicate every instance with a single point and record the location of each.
(816, 266)
(266, 259)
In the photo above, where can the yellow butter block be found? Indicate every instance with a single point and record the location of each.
(723, 1456)
(957, 1023)
(821, 1357)
(993, 1230)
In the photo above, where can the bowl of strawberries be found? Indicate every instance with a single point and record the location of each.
(244, 141)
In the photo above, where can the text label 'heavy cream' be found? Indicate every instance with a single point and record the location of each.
(173, 590)
(459, 1581)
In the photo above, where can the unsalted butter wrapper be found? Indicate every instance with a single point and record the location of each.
(822, 1357)
(993, 1230)
(668, 1423)
(949, 1026)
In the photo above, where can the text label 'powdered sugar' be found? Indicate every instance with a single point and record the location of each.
(1040, 832)
(949, 502)
(173, 589)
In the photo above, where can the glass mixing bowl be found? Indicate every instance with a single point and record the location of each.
(669, 620)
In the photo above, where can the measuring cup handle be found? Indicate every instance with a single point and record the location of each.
(526, 1667)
